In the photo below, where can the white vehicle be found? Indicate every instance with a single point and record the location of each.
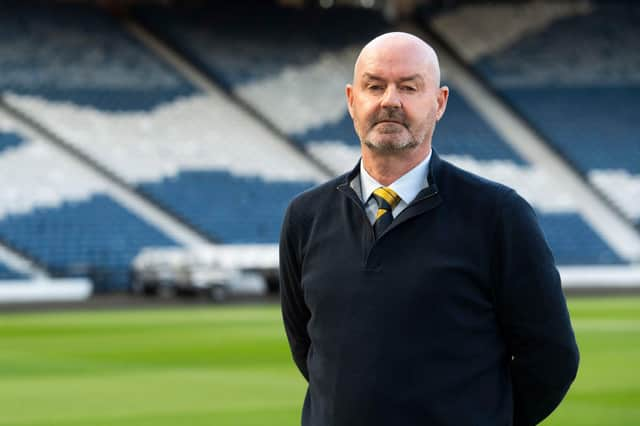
(218, 271)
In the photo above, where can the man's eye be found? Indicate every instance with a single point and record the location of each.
(375, 87)
(409, 88)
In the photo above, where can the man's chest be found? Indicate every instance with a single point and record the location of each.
(431, 261)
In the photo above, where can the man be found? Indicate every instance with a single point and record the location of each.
(413, 292)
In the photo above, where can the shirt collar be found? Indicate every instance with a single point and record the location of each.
(407, 186)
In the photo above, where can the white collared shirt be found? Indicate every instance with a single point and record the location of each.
(407, 187)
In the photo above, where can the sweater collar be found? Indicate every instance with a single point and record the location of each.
(406, 186)
(427, 199)
(435, 165)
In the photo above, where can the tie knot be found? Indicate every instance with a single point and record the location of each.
(388, 196)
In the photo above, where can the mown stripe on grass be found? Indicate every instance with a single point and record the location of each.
(609, 325)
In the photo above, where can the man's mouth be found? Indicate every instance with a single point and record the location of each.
(386, 125)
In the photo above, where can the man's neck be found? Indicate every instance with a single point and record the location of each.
(387, 168)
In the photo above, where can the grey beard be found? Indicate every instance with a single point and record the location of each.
(391, 148)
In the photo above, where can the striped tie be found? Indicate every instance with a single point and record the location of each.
(387, 199)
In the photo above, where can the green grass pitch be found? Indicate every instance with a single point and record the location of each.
(231, 366)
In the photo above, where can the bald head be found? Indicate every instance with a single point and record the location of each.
(395, 101)
(392, 49)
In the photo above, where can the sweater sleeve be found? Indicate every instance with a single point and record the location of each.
(533, 314)
(294, 310)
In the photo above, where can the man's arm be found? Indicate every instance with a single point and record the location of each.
(294, 310)
(533, 315)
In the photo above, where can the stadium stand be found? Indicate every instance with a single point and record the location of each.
(62, 217)
(300, 90)
(96, 238)
(142, 121)
(75, 53)
(7, 273)
(75, 70)
(189, 188)
(283, 62)
(9, 140)
(572, 69)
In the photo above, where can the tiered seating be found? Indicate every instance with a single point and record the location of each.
(195, 153)
(223, 39)
(59, 214)
(75, 53)
(159, 131)
(574, 242)
(253, 217)
(461, 132)
(584, 100)
(96, 237)
(7, 273)
(290, 65)
(300, 89)
(9, 140)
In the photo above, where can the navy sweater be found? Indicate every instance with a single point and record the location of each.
(454, 316)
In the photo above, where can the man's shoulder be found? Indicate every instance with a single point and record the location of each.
(304, 205)
(318, 193)
(458, 181)
(466, 191)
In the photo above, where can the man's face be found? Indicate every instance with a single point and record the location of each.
(395, 100)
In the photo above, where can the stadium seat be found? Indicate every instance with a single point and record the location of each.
(78, 54)
(128, 111)
(59, 215)
(7, 273)
(583, 100)
(234, 209)
(95, 238)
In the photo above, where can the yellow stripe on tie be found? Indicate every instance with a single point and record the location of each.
(387, 200)
(389, 195)
(380, 212)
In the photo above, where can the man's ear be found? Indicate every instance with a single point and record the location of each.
(443, 97)
(349, 93)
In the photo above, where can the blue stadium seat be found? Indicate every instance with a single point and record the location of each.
(113, 83)
(574, 242)
(95, 238)
(593, 127)
(230, 208)
(7, 273)
(583, 100)
(463, 132)
(79, 54)
(237, 47)
(9, 140)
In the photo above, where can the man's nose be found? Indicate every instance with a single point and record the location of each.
(391, 98)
